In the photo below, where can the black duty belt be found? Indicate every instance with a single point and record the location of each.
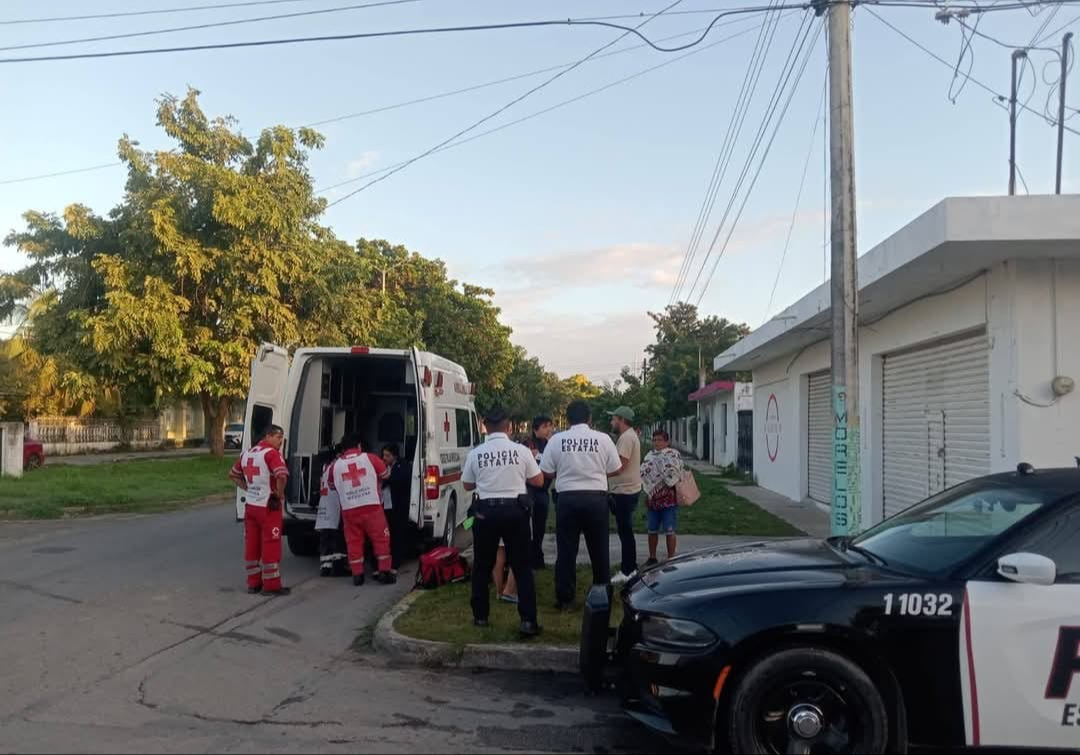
(498, 501)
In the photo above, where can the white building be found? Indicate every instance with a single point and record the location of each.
(718, 407)
(966, 315)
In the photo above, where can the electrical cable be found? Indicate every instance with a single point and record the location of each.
(754, 68)
(208, 25)
(757, 173)
(508, 105)
(627, 30)
(798, 198)
(545, 110)
(155, 12)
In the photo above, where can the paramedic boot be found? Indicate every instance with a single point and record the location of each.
(358, 580)
(387, 577)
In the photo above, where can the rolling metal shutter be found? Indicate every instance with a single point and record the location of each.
(819, 428)
(935, 419)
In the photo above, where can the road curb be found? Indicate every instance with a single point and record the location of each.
(525, 657)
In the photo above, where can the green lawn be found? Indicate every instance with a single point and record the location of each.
(719, 512)
(56, 491)
(444, 615)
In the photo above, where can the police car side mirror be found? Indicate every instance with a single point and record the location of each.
(1028, 568)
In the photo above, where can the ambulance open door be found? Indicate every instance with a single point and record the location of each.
(266, 402)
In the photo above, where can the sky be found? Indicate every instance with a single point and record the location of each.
(579, 218)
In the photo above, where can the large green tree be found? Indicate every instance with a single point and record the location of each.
(682, 337)
(215, 247)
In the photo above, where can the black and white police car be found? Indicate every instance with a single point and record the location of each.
(954, 623)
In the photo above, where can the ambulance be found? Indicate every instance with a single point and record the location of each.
(420, 401)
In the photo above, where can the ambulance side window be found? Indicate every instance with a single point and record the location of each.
(261, 419)
(461, 417)
(475, 429)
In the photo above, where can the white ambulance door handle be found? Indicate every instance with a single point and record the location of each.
(1027, 568)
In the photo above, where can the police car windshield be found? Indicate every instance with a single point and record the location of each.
(940, 533)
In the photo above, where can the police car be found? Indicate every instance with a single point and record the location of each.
(954, 623)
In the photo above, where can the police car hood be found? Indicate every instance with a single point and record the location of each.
(746, 565)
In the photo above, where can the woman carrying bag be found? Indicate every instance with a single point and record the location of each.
(662, 470)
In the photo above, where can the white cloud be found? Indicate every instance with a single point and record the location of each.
(641, 265)
(359, 165)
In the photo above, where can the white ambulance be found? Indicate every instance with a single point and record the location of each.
(417, 400)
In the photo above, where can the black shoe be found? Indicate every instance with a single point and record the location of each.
(530, 629)
(481, 623)
(358, 580)
(254, 590)
(326, 571)
(278, 593)
(651, 563)
(387, 577)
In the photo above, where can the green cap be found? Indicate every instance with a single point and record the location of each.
(623, 411)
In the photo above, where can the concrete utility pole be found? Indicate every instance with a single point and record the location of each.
(1065, 44)
(1017, 55)
(846, 497)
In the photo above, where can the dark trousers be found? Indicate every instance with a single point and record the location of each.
(623, 509)
(507, 521)
(541, 501)
(332, 552)
(400, 533)
(579, 513)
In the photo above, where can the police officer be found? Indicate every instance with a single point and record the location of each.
(582, 460)
(498, 470)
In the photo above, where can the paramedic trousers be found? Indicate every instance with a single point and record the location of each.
(365, 523)
(507, 520)
(262, 547)
(541, 501)
(580, 512)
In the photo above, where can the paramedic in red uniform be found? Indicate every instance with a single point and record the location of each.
(357, 477)
(262, 473)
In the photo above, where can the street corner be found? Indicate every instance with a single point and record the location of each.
(523, 657)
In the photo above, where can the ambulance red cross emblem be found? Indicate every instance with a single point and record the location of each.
(446, 426)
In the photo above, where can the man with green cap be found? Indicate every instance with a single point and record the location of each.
(626, 489)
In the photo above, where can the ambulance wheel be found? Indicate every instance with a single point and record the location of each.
(451, 522)
(303, 543)
(804, 700)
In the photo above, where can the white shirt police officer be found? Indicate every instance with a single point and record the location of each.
(581, 460)
(498, 470)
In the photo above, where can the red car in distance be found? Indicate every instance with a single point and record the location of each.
(33, 454)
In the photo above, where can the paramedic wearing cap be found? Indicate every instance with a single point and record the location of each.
(261, 473)
(582, 460)
(498, 470)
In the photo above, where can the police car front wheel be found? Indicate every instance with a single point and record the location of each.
(807, 700)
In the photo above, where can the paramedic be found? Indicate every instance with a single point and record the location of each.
(581, 460)
(261, 473)
(498, 470)
(356, 476)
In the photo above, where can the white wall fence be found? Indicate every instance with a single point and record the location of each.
(65, 436)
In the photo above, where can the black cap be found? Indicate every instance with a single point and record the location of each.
(496, 415)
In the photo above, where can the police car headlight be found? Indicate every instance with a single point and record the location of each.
(681, 633)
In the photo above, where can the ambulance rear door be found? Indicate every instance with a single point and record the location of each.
(422, 375)
(266, 401)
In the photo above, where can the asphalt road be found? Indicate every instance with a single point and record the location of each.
(128, 634)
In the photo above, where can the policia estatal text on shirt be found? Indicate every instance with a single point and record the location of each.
(498, 470)
(582, 459)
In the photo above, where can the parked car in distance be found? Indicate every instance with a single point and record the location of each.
(33, 454)
(234, 435)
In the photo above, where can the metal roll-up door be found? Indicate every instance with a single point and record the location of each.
(819, 428)
(935, 419)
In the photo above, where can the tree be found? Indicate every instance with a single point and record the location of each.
(215, 247)
(682, 337)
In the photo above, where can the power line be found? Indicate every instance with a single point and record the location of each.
(798, 198)
(398, 33)
(508, 105)
(453, 92)
(208, 25)
(998, 95)
(159, 11)
(738, 117)
(786, 72)
(546, 110)
(760, 165)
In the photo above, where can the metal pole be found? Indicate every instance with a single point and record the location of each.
(846, 498)
(1017, 54)
(1061, 107)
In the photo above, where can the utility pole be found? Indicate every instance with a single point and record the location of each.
(846, 489)
(1017, 55)
(700, 369)
(1065, 43)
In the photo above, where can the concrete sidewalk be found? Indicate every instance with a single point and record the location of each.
(806, 516)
